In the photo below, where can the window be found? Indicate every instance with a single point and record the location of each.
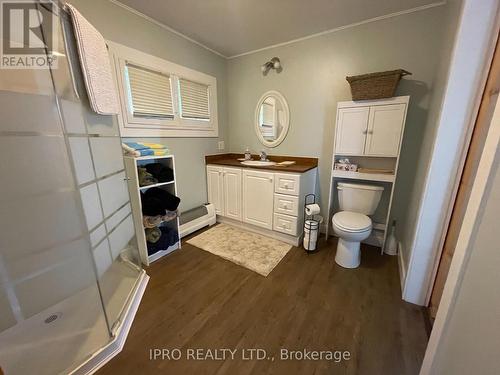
(194, 100)
(162, 99)
(149, 93)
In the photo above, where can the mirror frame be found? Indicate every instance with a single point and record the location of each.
(286, 119)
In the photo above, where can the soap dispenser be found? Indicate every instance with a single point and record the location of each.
(248, 155)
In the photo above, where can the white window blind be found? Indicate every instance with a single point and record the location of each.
(150, 93)
(194, 100)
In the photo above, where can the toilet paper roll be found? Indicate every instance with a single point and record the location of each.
(312, 209)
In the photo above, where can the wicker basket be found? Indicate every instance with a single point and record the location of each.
(375, 85)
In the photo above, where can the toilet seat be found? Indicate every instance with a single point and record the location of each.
(352, 222)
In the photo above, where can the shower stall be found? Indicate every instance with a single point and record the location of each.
(70, 276)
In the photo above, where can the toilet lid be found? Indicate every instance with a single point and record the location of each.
(352, 221)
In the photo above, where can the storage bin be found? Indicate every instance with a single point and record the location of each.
(375, 85)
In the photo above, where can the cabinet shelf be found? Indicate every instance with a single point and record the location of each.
(157, 185)
(383, 177)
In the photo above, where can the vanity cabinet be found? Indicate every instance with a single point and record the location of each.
(261, 200)
(224, 190)
(215, 187)
(232, 192)
(370, 130)
(258, 195)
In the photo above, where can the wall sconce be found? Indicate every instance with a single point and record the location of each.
(274, 63)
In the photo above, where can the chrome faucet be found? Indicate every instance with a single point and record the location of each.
(263, 156)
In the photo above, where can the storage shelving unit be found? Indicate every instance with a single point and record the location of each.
(131, 164)
(383, 177)
(369, 133)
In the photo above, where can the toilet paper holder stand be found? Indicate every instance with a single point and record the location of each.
(317, 219)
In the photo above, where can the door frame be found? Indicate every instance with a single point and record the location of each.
(477, 31)
(469, 173)
(472, 217)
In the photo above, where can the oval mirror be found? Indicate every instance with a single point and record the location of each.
(272, 119)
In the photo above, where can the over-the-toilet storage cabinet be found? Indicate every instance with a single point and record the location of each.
(260, 198)
(370, 130)
(370, 134)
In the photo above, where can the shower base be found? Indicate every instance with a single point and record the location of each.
(64, 337)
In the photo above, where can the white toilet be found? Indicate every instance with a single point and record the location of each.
(351, 224)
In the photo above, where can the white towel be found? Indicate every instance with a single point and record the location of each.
(96, 68)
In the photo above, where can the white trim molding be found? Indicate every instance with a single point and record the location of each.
(321, 33)
(477, 32)
(340, 28)
(177, 126)
(472, 218)
(402, 266)
(162, 25)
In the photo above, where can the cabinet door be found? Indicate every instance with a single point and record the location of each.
(216, 188)
(351, 130)
(385, 126)
(258, 197)
(232, 193)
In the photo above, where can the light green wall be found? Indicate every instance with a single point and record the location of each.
(313, 81)
(124, 27)
(410, 193)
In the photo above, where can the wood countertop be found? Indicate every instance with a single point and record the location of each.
(302, 164)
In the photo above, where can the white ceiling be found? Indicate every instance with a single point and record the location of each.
(233, 27)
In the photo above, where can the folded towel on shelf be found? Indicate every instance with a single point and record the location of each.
(156, 201)
(169, 215)
(141, 149)
(153, 145)
(137, 146)
(95, 64)
(161, 152)
(160, 172)
(136, 153)
(145, 178)
(151, 221)
(153, 234)
(154, 221)
(169, 237)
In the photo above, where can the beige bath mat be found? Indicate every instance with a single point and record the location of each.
(250, 250)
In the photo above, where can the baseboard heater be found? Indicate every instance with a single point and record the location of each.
(196, 218)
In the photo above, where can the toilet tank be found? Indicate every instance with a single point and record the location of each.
(359, 197)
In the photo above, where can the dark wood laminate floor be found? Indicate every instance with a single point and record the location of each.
(198, 300)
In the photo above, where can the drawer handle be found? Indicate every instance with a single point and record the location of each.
(285, 207)
(270, 179)
(286, 186)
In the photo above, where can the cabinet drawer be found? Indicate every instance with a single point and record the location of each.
(285, 224)
(287, 184)
(286, 204)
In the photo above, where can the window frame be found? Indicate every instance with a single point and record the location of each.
(138, 126)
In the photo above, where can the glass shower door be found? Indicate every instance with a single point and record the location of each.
(51, 315)
(95, 147)
(68, 255)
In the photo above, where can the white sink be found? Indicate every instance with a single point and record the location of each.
(258, 163)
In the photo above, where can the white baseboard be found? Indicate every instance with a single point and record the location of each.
(105, 354)
(402, 267)
(294, 241)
